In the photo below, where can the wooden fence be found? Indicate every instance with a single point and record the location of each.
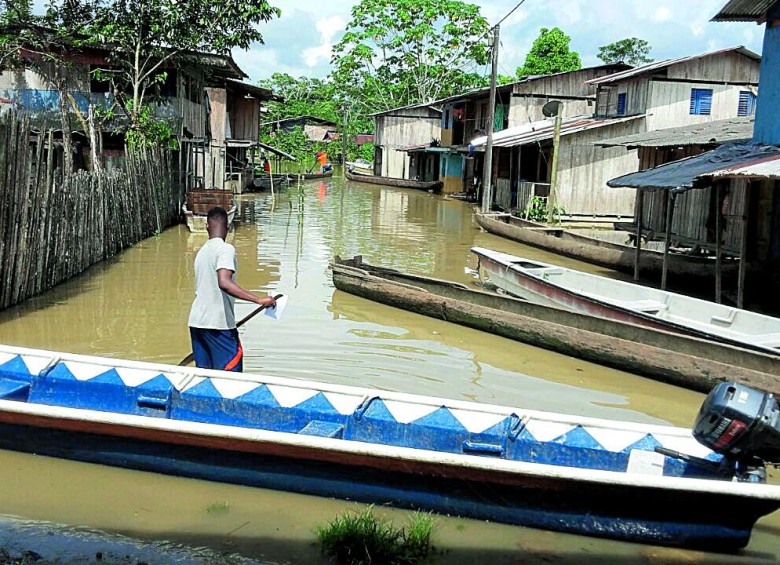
(54, 226)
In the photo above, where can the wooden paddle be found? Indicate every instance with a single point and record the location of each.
(189, 358)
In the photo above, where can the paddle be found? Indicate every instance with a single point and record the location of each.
(189, 358)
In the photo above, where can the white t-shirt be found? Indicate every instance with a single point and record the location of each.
(213, 308)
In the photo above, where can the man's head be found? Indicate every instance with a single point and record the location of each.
(217, 222)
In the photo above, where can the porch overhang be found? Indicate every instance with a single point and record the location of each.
(701, 170)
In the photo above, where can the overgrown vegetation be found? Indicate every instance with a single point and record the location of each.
(360, 538)
(538, 211)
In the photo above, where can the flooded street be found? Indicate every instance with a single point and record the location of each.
(136, 305)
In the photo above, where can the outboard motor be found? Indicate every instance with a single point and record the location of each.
(742, 424)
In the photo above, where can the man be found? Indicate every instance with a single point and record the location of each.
(212, 321)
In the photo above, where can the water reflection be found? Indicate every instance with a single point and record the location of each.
(136, 305)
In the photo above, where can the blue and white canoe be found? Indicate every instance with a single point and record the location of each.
(565, 473)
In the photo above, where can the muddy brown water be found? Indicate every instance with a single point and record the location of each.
(135, 306)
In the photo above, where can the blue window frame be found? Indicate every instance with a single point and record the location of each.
(701, 101)
(747, 103)
(621, 106)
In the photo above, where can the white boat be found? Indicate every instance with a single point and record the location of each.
(552, 285)
(360, 167)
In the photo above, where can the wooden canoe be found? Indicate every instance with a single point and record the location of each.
(510, 464)
(689, 362)
(612, 299)
(311, 176)
(596, 251)
(432, 186)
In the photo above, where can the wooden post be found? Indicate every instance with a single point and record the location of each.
(487, 172)
(670, 202)
(718, 246)
(743, 246)
(554, 172)
(640, 197)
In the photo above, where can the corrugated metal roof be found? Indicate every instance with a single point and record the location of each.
(541, 130)
(709, 133)
(658, 65)
(694, 172)
(766, 168)
(744, 11)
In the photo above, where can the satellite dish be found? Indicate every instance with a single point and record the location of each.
(552, 108)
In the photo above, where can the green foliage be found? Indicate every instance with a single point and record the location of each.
(400, 52)
(149, 132)
(362, 538)
(146, 36)
(632, 51)
(537, 211)
(550, 54)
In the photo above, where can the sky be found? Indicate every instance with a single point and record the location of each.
(299, 43)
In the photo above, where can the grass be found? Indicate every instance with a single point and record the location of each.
(360, 538)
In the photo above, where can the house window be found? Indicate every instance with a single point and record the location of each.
(621, 106)
(701, 101)
(747, 103)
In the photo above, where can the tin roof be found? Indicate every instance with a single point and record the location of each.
(696, 172)
(744, 11)
(545, 129)
(766, 168)
(659, 65)
(709, 133)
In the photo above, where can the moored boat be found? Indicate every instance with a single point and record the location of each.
(627, 302)
(639, 482)
(690, 362)
(432, 186)
(263, 181)
(199, 202)
(594, 250)
(361, 167)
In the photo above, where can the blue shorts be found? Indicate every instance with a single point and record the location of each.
(217, 349)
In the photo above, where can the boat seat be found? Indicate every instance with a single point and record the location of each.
(323, 429)
(13, 390)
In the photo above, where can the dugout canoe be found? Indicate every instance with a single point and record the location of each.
(432, 186)
(591, 476)
(597, 251)
(689, 362)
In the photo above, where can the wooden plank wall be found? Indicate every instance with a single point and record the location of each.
(53, 228)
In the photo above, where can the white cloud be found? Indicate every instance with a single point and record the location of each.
(662, 14)
(328, 29)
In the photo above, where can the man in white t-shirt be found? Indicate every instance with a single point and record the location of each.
(212, 321)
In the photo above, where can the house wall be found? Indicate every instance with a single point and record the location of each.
(243, 116)
(767, 128)
(584, 169)
(451, 172)
(413, 126)
(669, 104)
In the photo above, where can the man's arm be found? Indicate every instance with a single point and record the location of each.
(227, 284)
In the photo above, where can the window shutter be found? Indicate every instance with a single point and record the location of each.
(701, 101)
(621, 104)
(747, 103)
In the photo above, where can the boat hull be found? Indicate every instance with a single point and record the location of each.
(684, 361)
(432, 186)
(666, 312)
(596, 251)
(566, 473)
(196, 223)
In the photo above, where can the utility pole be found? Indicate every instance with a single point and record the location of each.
(487, 173)
(554, 173)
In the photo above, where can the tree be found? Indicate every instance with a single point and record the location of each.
(550, 54)
(145, 37)
(632, 51)
(400, 52)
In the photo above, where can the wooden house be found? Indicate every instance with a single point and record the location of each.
(212, 114)
(725, 201)
(400, 137)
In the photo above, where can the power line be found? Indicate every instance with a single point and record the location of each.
(512, 11)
